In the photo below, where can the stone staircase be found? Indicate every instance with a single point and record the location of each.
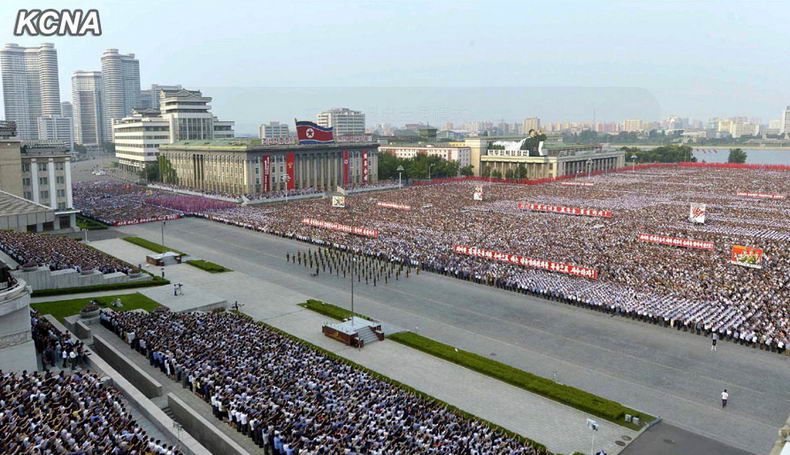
(367, 335)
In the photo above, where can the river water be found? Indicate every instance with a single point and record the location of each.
(753, 156)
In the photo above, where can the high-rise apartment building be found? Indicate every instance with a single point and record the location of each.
(66, 109)
(57, 128)
(149, 99)
(344, 121)
(532, 123)
(633, 126)
(785, 125)
(274, 130)
(121, 79)
(30, 86)
(87, 95)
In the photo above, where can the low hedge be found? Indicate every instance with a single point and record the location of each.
(571, 396)
(157, 281)
(333, 311)
(90, 224)
(541, 448)
(147, 244)
(208, 266)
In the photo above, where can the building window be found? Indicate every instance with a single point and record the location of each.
(61, 193)
(42, 181)
(26, 167)
(28, 195)
(26, 181)
(60, 180)
(61, 205)
(44, 194)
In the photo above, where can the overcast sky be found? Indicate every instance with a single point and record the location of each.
(693, 58)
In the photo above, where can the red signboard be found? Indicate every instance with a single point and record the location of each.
(664, 240)
(747, 256)
(290, 159)
(394, 205)
(564, 210)
(527, 262)
(266, 164)
(345, 167)
(577, 183)
(367, 232)
(760, 195)
(365, 166)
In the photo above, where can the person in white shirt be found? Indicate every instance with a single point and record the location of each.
(724, 397)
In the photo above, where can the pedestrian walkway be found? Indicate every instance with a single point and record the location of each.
(559, 427)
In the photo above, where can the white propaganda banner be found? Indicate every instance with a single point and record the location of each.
(564, 210)
(535, 263)
(687, 243)
(760, 195)
(394, 205)
(367, 232)
(478, 194)
(339, 201)
(577, 183)
(697, 212)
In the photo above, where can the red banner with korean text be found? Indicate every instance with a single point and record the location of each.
(534, 263)
(290, 160)
(760, 195)
(747, 256)
(345, 167)
(365, 166)
(394, 205)
(564, 210)
(266, 164)
(665, 240)
(356, 230)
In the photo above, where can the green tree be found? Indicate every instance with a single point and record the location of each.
(467, 171)
(521, 172)
(496, 174)
(510, 174)
(388, 164)
(737, 155)
(150, 173)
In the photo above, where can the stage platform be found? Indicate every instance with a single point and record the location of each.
(356, 332)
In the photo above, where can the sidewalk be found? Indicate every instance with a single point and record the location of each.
(559, 427)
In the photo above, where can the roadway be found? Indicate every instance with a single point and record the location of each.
(661, 371)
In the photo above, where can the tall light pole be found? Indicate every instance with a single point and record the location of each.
(430, 165)
(633, 158)
(163, 234)
(353, 266)
(399, 169)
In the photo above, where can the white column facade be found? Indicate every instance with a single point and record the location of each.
(53, 193)
(34, 178)
(69, 200)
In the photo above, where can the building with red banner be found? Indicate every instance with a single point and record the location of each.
(242, 166)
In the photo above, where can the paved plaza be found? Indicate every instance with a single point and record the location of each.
(664, 372)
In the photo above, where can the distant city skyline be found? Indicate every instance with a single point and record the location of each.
(685, 69)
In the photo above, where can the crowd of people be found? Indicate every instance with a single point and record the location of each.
(57, 253)
(52, 413)
(117, 203)
(686, 288)
(291, 399)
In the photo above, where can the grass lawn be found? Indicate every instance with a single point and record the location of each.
(89, 224)
(63, 308)
(208, 266)
(333, 311)
(571, 396)
(155, 247)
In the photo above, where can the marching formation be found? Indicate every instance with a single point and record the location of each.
(292, 399)
(372, 270)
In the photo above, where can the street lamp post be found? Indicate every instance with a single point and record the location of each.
(633, 158)
(399, 169)
(430, 165)
(353, 266)
(163, 234)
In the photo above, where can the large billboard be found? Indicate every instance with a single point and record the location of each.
(345, 167)
(478, 194)
(747, 256)
(339, 201)
(290, 162)
(365, 166)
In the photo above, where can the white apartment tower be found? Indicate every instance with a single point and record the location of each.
(785, 126)
(57, 128)
(274, 130)
(121, 78)
(30, 86)
(344, 121)
(87, 95)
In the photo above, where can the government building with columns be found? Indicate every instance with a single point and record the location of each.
(252, 167)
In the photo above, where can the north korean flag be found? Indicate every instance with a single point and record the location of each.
(310, 133)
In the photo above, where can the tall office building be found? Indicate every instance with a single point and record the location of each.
(30, 86)
(87, 97)
(274, 130)
(66, 109)
(532, 123)
(121, 77)
(149, 99)
(57, 128)
(785, 125)
(344, 121)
